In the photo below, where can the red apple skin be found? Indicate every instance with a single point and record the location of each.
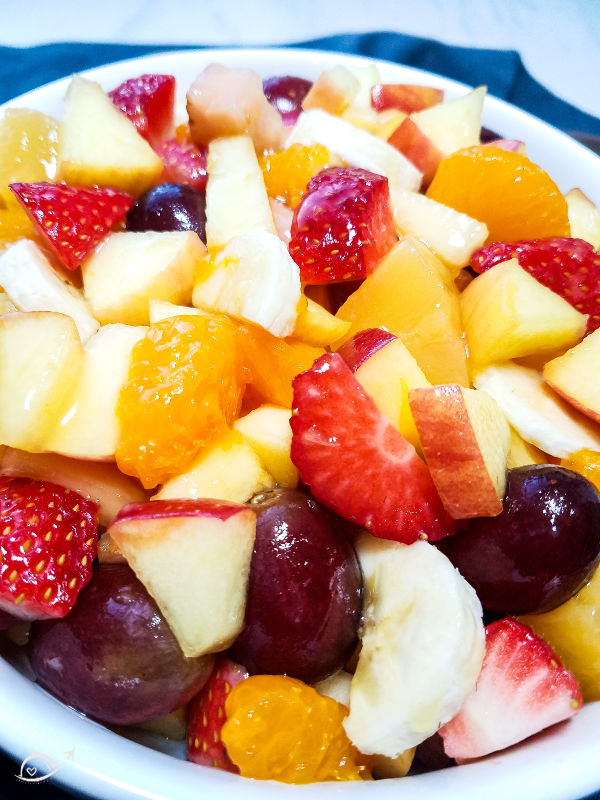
(418, 148)
(113, 657)
(184, 507)
(363, 345)
(404, 96)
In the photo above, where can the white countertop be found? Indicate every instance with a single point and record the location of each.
(558, 40)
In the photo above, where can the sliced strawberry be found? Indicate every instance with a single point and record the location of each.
(355, 462)
(184, 163)
(48, 540)
(206, 716)
(343, 226)
(522, 689)
(570, 267)
(149, 102)
(72, 220)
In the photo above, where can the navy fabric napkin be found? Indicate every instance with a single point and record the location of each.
(22, 69)
(502, 71)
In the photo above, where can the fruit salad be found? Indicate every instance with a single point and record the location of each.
(299, 422)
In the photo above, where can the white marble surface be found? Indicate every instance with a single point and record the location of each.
(559, 40)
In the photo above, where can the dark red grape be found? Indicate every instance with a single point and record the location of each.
(540, 550)
(286, 93)
(113, 656)
(305, 590)
(487, 135)
(169, 207)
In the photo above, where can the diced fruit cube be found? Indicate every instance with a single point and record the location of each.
(255, 280)
(101, 483)
(355, 147)
(230, 470)
(193, 556)
(33, 285)
(227, 102)
(411, 294)
(453, 236)
(455, 123)
(267, 430)
(584, 217)
(332, 91)
(40, 359)
(236, 198)
(148, 101)
(130, 268)
(89, 427)
(522, 689)
(539, 415)
(343, 226)
(407, 97)
(337, 433)
(420, 150)
(72, 220)
(465, 439)
(315, 325)
(575, 375)
(100, 146)
(573, 630)
(507, 313)
(28, 149)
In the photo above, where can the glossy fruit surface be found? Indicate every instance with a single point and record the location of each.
(279, 728)
(286, 93)
(114, 657)
(148, 101)
(343, 226)
(305, 590)
(540, 550)
(288, 172)
(169, 207)
(513, 196)
(184, 387)
(183, 161)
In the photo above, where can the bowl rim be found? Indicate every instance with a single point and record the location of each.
(112, 767)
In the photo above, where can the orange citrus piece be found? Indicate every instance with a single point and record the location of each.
(586, 463)
(513, 196)
(279, 728)
(184, 388)
(287, 174)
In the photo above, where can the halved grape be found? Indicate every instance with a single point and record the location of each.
(286, 93)
(169, 207)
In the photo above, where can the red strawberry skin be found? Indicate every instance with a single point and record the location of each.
(570, 267)
(72, 220)
(48, 541)
(343, 226)
(355, 462)
(184, 163)
(149, 102)
(522, 689)
(206, 716)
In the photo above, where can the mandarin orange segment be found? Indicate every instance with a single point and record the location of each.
(287, 174)
(184, 388)
(279, 728)
(586, 463)
(513, 196)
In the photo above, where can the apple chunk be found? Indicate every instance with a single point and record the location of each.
(465, 439)
(193, 557)
(576, 375)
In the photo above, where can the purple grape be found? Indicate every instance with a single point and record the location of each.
(169, 207)
(113, 656)
(488, 135)
(305, 590)
(540, 550)
(286, 94)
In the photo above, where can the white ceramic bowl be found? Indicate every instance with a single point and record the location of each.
(560, 764)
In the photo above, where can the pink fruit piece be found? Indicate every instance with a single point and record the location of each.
(73, 220)
(206, 716)
(364, 344)
(286, 93)
(522, 689)
(149, 102)
(48, 541)
(343, 226)
(355, 462)
(568, 266)
(184, 163)
(405, 97)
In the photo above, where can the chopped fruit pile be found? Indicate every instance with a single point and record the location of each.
(291, 396)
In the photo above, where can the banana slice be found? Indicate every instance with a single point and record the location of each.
(254, 279)
(422, 646)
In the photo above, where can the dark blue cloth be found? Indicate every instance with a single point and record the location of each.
(502, 71)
